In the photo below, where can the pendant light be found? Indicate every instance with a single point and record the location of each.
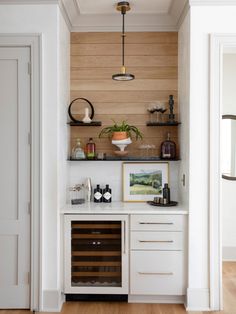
(123, 7)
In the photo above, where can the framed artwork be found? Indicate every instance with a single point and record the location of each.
(142, 181)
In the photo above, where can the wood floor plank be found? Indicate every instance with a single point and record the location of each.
(229, 289)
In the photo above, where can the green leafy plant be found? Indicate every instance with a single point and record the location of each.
(123, 127)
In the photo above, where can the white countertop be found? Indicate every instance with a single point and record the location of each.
(122, 208)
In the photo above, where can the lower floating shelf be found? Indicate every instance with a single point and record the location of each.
(126, 158)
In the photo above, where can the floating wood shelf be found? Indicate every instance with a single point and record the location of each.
(175, 123)
(93, 123)
(126, 158)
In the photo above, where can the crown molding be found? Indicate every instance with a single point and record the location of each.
(183, 14)
(112, 23)
(29, 2)
(211, 2)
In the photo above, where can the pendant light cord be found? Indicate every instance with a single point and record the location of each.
(123, 38)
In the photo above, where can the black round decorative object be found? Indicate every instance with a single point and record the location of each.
(70, 106)
(172, 203)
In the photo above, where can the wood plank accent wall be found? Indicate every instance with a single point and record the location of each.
(151, 56)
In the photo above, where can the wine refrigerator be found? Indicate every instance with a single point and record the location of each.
(96, 254)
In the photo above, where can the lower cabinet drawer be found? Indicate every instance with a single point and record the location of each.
(148, 240)
(157, 272)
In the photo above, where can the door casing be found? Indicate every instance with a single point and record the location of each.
(218, 42)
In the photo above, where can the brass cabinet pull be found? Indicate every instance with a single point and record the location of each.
(156, 241)
(156, 273)
(156, 223)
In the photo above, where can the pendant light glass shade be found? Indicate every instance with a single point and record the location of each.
(123, 7)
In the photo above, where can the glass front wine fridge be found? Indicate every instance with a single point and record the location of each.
(96, 254)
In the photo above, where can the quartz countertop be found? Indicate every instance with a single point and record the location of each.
(122, 208)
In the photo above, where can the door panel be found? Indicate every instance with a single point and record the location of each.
(15, 177)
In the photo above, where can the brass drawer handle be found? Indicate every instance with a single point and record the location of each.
(156, 223)
(156, 241)
(159, 273)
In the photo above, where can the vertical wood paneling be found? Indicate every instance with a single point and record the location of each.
(151, 57)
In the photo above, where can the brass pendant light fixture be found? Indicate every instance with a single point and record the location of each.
(123, 7)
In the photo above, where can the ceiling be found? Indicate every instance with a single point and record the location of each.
(137, 6)
(145, 15)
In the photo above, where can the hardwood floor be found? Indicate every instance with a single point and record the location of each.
(229, 286)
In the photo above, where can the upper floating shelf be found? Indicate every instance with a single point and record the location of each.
(175, 123)
(93, 123)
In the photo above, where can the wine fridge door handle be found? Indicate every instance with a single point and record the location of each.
(124, 236)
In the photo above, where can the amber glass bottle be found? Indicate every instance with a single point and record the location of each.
(168, 149)
(90, 149)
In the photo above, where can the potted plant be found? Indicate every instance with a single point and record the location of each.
(121, 131)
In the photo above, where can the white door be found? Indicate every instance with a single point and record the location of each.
(14, 177)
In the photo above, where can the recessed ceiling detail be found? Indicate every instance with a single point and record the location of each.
(138, 6)
(145, 15)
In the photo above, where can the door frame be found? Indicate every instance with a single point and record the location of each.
(34, 42)
(218, 42)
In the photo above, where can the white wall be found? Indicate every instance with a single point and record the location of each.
(204, 21)
(184, 101)
(45, 20)
(229, 187)
(64, 100)
(110, 172)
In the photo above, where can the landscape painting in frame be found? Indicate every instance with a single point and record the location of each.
(144, 181)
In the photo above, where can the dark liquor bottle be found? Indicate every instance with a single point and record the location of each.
(171, 105)
(106, 198)
(90, 149)
(168, 149)
(97, 196)
(166, 194)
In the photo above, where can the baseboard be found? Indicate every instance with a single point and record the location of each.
(52, 301)
(156, 299)
(229, 254)
(198, 300)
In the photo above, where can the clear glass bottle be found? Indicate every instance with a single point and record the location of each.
(168, 149)
(77, 151)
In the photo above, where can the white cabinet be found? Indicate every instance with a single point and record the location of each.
(96, 254)
(157, 255)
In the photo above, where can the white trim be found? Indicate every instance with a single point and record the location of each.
(229, 253)
(33, 41)
(52, 301)
(196, 297)
(218, 43)
(165, 299)
(212, 2)
(133, 28)
(19, 2)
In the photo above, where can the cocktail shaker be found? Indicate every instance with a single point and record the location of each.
(88, 189)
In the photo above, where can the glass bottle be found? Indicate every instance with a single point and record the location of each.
(168, 149)
(77, 151)
(90, 149)
(166, 194)
(97, 195)
(106, 197)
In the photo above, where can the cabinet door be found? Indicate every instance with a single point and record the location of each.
(96, 254)
(157, 272)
